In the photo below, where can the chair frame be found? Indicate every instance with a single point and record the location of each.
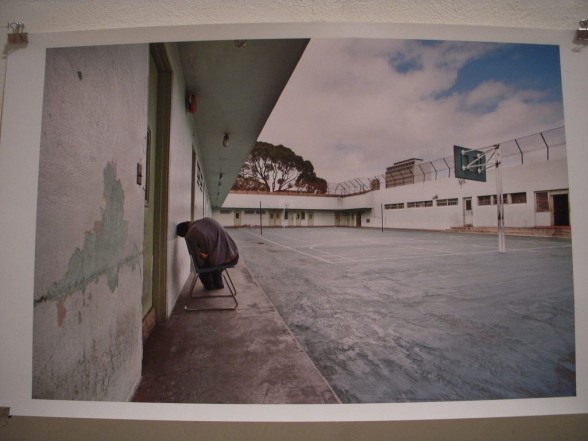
(226, 277)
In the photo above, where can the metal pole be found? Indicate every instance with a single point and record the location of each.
(500, 203)
(382, 212)
(260, 220)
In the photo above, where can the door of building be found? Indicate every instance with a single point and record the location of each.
(237, 218)
(468, 212)
(561, 210)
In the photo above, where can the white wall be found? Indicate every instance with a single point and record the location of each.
(86, 153)
(88, 279)
(182, 138)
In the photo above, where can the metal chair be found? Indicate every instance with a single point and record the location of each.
(210, 294)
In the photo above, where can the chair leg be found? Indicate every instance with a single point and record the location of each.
(232, 290)
(194, 279)
(229, 283)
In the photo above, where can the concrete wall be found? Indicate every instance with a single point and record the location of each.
(87, 316)
(539, 176)
(88, 272)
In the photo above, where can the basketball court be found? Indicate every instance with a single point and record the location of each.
(404, 315)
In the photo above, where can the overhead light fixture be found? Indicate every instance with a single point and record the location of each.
(226, 140)
(582, 32)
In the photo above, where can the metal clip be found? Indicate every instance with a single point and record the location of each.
(582, 32)
(4, 415)
(17, 36)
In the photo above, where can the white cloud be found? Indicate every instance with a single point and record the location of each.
(354, 107)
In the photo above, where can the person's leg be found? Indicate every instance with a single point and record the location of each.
(217, 277)
(207, 280)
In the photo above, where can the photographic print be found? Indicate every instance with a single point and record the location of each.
(370, 269)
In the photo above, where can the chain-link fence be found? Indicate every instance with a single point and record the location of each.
(542, 146)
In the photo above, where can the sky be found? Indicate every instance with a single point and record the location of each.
(356, 106)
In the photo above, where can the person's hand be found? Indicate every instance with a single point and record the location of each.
(202, 255)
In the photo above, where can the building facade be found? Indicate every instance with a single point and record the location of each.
(535, 196)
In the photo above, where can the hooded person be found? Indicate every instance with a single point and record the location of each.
(212, 246)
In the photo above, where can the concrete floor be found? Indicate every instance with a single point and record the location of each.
(246, 356)
(407, 316)
(391, 316)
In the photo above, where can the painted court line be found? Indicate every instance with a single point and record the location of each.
(288, 248)
(342, 259)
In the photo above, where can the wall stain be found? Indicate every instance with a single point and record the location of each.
(103, 251)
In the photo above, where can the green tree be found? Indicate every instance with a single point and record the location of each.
(277, 168)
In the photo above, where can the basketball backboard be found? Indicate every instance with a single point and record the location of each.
(469, 164)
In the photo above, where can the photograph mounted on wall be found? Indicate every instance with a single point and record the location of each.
(400, 208)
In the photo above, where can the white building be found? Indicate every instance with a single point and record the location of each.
(535, 196)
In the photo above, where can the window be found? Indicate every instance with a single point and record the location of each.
(199, 175)
(541, 201)
(225, 212)
(446, 202)
(419, 204)
(486, 200)
(518, 198)
(394, 206)
(303, 215)
(249, 211)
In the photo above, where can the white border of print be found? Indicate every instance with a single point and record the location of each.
(19, 159)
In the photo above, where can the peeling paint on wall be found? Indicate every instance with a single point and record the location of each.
(103, 251)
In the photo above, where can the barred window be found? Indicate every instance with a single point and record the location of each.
(541, 201)
(446, 202)
(518, 198)
(199, 175)
(486, 200)
(225, 211)
(419, 204)
(397, 206)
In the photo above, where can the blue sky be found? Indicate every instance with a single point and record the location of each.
(355, 106)
(521, 65)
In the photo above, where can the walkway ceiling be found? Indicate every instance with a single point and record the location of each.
(236, 88)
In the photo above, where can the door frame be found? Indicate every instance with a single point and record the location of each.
(161, 190)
